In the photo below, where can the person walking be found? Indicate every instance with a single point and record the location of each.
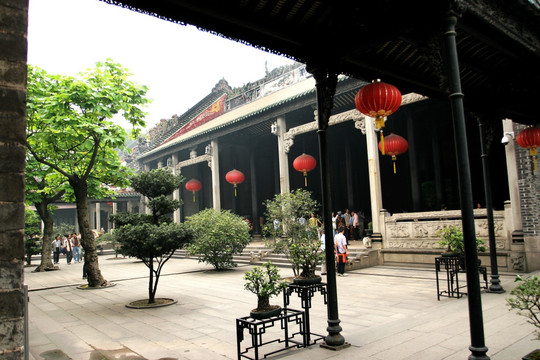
(76, 248)
(323, 248)
(68, 245)
(56, 245)
(340, 249)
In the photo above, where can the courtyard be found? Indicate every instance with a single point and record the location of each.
(386, 312)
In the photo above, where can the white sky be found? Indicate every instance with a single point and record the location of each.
(179, 64)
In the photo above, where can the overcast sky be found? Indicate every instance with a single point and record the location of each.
(179, 64)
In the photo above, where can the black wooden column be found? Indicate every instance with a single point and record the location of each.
(495, 286)
(325, 83)
(476, 322)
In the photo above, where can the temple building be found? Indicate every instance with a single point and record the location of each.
(261, 128)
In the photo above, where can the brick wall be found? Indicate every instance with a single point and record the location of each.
(13, 49)
(529, 186)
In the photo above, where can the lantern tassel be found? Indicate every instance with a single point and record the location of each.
(234, 190)
(382, 143)
(305, 179)
(394, 161)
(193, 196)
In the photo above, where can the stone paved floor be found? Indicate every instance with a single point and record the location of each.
(385, 313)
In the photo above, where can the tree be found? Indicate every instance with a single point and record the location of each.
(32, 230)
(43, 188)
(218, 235)
(152, 238)
(70, 130)
(287, 216)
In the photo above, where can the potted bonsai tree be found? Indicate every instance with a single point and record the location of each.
(294, 235)
(527, 303)
(265, 282)
(452, 239)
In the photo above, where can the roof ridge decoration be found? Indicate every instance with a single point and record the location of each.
(211, 112)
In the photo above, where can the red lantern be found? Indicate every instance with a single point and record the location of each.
(530, 139)
(394, 145)
(304, 163)
(235, 177)
(378, 100)
(193, 185)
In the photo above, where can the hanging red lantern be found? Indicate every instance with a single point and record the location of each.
(530, 139)
(378, 100)
(193, 185)
(235, 177)
(394, 145)
(304, 163)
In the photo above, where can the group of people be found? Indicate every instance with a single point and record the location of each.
(340, 250)
(352, 222)
(346, 226)
(70, 245)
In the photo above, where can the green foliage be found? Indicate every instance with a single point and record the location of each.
(527, 300)
(292, 236)
(218, 235)
(32, 243)
(70, 127)
(63, 229)
(452, 239)
(265, 282)
(32, 225)
(157, 185)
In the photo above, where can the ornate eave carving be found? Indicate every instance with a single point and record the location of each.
(354, 115)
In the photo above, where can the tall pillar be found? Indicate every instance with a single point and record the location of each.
(478, 347)
(375, 190)
(325, 84)
(254, 199)
(216, 193)
(114, 210)
(98, 216)
(176, 193)
(143, 207)
(513, 183)
(283, 158)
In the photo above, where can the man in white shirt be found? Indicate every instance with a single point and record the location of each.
(68, 245)
(340, 248)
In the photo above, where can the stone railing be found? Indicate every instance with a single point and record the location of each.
(418, 230)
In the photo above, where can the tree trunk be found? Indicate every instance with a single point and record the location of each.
(46, 241)
(263, 303)
(151, 292)
(95, 279)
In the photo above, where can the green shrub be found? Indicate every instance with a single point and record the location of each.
(217, 236)
(527, 300)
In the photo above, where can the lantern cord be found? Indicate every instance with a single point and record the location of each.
(382, 143)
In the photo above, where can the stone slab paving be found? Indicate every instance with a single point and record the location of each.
(385, 313)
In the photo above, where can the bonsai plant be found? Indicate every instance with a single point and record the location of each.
(152, 238)
(452, 239)
(527, 303)
(265, 282)
(294, 235)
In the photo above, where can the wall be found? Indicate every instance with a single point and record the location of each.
(411, 238)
